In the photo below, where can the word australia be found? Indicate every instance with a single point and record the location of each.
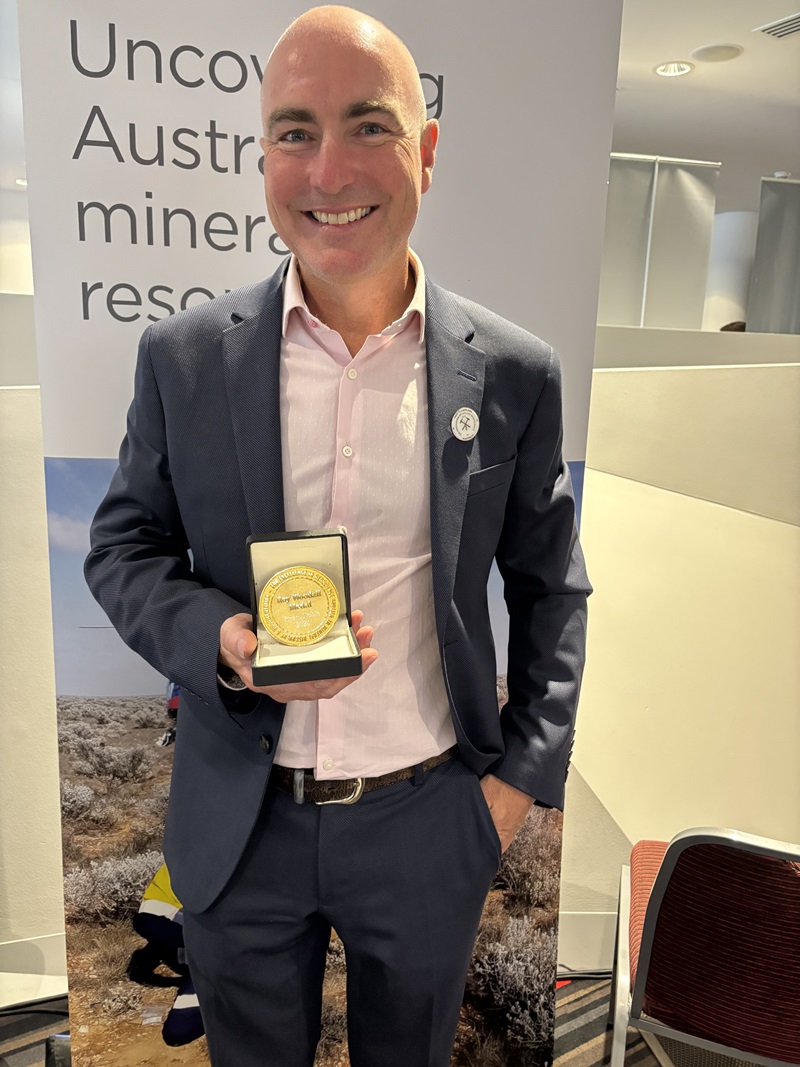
(224, 152)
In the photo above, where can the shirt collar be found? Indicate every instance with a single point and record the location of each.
(293, 298)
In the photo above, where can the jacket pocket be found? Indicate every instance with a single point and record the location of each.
(489, 477)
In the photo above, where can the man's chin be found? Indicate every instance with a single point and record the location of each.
(332, 265)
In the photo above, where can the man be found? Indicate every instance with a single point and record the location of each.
(347, 390)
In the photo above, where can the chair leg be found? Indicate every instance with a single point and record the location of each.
(612, 1003)
(619, 1039)
(621, 981)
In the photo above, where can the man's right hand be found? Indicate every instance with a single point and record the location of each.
(237, 643)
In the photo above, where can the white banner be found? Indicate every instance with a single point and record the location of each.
(142, 128)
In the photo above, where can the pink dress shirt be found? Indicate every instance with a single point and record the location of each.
(354, 435)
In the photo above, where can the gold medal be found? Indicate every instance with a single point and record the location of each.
(298, 606)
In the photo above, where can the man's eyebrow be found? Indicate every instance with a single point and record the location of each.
(290, 114)
(371, 107)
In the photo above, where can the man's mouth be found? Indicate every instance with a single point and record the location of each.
(340, 218)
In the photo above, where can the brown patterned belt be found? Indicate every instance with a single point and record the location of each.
(306, 789)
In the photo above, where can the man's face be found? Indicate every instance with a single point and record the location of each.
(342, 139)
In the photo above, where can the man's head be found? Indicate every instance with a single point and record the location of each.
(345, 133)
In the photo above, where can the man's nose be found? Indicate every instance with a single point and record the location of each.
(332, 168)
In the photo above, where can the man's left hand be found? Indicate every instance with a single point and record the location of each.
(508, 807)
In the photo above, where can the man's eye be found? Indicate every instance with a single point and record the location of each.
(293, 137)
(372, 129)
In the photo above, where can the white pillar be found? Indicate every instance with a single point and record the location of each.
(733, 246)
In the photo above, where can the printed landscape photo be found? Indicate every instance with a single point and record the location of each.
(114, 790)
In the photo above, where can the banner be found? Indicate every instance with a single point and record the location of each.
(145, 196)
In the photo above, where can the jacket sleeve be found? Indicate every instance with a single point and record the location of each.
(139, 567)
(545, 588)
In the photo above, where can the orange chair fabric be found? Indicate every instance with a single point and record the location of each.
(646, 858)
(725, 964)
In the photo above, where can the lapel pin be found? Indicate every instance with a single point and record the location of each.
(464, 424)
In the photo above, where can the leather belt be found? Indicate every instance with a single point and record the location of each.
(305, 787)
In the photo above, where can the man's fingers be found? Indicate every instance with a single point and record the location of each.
(364, 637)
(368, 657)
(237, 642)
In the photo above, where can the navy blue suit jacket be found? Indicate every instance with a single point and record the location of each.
(200, 470)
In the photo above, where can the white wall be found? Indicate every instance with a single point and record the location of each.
(691, 527)
(32, 948)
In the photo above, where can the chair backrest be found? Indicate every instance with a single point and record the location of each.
(720, 954)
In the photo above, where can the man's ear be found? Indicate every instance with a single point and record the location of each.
(427, 151)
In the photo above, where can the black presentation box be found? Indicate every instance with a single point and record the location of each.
(336, 655)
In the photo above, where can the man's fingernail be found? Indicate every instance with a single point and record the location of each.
(240, 649)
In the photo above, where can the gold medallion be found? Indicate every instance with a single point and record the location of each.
(298, 606)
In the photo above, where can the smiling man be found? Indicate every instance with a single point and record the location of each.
(347, 390)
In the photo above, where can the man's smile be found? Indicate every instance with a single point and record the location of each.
(339, 218)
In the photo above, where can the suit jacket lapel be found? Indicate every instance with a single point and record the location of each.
(455, 380)
(251, 360)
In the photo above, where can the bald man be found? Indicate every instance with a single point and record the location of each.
(347, 390)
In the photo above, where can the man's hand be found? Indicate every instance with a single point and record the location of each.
(508, 807)
(237, 643)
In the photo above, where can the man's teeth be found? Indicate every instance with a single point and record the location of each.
(342, 217)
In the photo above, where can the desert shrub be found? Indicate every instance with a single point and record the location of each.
(106, 761)
(71, 851)
(333, 1034)
(156, 805)
(81, 804)
(516, 978)
(122, 998)
(483, 1050)
(76, 800)
(116, 714)
(144, 836)
(336, 958)
(72, 734)
(108, 889)
(107, 947)
(150, 718)
(531, 864)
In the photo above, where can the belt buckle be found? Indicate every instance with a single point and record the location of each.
(358, 789)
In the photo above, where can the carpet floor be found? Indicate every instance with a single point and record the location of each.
(582, 1039)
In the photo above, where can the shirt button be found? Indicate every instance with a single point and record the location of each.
(328, 765)
(347, 451)
(352, 373)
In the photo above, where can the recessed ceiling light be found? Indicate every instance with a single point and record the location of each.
(674, 69)
(717, 53)
(23, 182)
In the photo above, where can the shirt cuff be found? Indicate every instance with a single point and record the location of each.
(229, 679)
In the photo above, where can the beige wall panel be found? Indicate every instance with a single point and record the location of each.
(724, 434)
(18, 353)
(629, 346)
(594, 850)
(31, 899)
(689, 713)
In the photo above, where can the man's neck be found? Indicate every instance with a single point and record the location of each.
(361, 307)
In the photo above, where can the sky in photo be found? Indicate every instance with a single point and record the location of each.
(91, 660)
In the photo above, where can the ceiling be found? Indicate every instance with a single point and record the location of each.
(744, 113)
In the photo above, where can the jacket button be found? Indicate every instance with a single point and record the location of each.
(266, 744)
